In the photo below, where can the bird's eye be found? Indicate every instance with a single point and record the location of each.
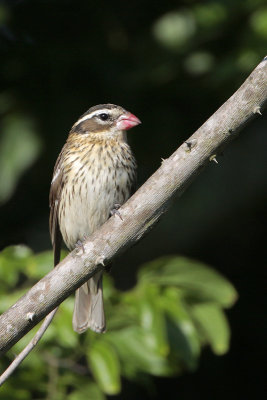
(103, 116)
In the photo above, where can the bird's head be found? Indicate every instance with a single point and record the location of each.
(105, 119)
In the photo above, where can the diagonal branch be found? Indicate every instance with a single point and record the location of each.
(140, 213)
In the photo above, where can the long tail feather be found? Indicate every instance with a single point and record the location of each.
(89, 307)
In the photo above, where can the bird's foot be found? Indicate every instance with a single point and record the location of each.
(79, 245)
(115, 210)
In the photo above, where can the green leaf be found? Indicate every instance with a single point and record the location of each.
(152, 320)
(62, 328)
(182, 334)
(10, 298)
(43, 263)
(14, 259)
(213, 326)
(10, 392)
(136, 354)
(105, 366)
(19, 148)
(87, 392)
(15, 256)
(194, 278)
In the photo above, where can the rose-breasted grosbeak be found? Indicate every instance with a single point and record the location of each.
(94, 172)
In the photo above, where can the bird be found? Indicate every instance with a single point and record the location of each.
(95, 173)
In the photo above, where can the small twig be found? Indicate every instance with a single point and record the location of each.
(24, 353)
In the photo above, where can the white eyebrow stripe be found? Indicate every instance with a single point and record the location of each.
(100, 111)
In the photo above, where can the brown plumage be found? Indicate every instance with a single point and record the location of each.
(94, 172)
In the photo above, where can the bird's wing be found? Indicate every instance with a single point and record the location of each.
(134, 186)
(54, 200)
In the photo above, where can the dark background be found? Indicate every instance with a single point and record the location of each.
(172, 64)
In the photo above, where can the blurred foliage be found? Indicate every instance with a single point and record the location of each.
(19, 148)
(155, 329)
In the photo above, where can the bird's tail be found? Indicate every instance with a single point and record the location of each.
(89, 307)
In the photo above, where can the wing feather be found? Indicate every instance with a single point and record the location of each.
(54, 201)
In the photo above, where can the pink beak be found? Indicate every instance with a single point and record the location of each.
(127, 121)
